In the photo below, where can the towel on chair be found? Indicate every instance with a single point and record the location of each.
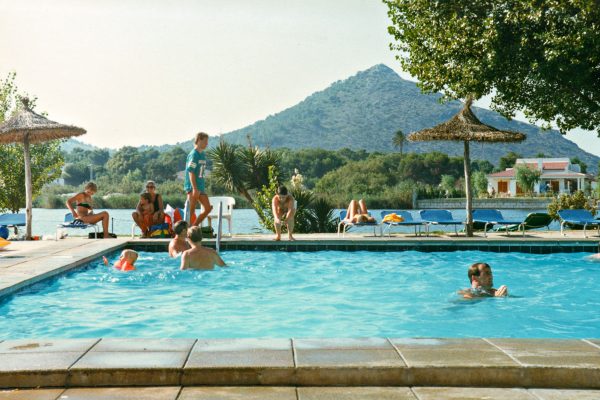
(393, 217)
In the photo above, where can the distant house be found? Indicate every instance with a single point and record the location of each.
(558, 175)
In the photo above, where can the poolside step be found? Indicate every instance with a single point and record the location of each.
(301, 362)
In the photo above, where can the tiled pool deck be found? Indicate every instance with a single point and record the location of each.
(373, 368)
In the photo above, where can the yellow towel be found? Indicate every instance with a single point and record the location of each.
(393, 217)
(4, 242)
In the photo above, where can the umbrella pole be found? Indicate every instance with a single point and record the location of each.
(28, 189)
(467, 159)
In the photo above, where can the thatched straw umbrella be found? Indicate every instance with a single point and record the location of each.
(27, 127)
(465, 126)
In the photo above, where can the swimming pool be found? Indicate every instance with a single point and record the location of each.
(313, 294)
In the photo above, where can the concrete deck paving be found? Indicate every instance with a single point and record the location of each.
(298, 393)
(377, 368)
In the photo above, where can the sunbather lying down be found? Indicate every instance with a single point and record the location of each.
(357, 213)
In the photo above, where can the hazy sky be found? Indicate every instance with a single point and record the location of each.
(137, 72)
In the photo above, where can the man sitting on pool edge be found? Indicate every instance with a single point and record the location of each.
(482, 282)
(199, 257)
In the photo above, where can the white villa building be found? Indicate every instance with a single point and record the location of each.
(558, 176)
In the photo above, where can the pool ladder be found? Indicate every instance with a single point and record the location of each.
(219, 227)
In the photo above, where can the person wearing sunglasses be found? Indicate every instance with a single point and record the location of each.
(158, 216)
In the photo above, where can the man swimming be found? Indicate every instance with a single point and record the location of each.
(482, 282)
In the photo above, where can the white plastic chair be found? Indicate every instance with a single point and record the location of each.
(228, 203)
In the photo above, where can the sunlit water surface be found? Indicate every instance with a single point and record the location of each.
(313, 294)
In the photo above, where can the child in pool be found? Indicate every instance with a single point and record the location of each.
(179, 243)
(126, 260)
(482, 282)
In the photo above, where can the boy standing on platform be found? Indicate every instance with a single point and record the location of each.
(194, 186)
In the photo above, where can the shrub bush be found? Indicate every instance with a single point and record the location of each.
(575, 201)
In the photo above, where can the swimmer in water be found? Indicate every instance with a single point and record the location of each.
(126, 260)
(593, 257)
(199, 257)
(482, 282)
(179, 243)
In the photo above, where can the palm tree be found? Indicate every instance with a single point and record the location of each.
(242, 169)
(399, 140)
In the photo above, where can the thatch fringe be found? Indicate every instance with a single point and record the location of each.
(465, 126)
(37, 127)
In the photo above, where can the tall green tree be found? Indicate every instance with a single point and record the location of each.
(124, 160)
(245, 170)
(46, 158)
(314, 163)
(448, 185)
(536, 56)
(479, 183)
(527, 178)
(508, 160)
(582, 165)
(399, 140)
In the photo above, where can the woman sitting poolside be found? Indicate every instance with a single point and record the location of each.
(357, 213)
(158, 217)
(83, 210)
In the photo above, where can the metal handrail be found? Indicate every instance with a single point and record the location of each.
(219, 226)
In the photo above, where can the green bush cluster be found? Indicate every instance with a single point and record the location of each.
(575, 201)
(335, 177)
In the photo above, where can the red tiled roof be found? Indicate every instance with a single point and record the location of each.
(555, 165)
(508, 173)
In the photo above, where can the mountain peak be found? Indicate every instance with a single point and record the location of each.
(365, 110)
(379, 69)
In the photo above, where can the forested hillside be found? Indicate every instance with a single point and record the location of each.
(365, 110)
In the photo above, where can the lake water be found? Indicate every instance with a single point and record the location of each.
(244, 221)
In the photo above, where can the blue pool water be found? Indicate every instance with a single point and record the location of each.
(314, 294)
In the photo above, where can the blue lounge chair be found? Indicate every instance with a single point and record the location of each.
(71, 223)
(408, 221)
(346, 224)
(439, 217)
(578, 217)
(14, 220)
(494, 217)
